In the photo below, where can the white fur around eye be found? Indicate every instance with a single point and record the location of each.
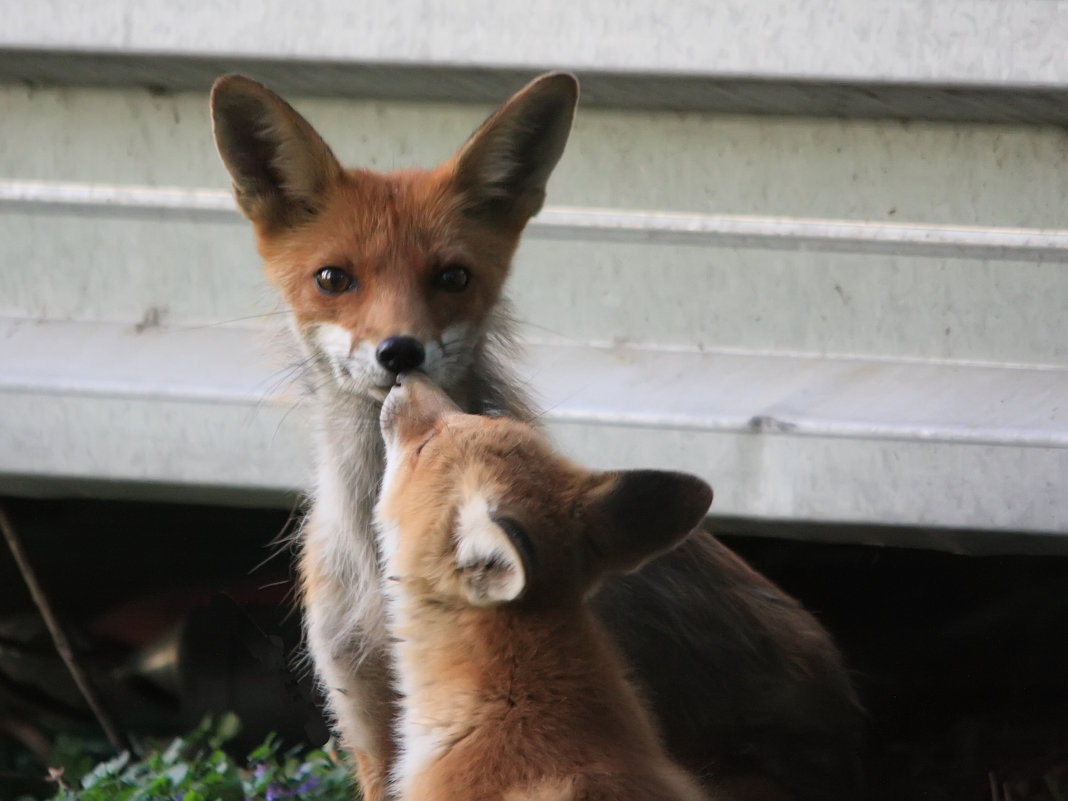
(492, 568)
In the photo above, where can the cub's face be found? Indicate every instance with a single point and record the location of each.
(480, 511)
(477, 510)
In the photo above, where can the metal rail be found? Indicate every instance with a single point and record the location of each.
(561, 223)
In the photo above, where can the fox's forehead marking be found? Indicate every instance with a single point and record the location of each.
(396, 210)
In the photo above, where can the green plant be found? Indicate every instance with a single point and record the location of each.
(197, 768)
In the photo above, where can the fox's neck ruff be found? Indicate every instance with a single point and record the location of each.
(350, 463)
(339, 560)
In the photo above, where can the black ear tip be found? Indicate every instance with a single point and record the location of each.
(646, 490)
(562, 85)
(565, 81)
(692, 494)
(703, 494)
(233, 88)
(228, 83)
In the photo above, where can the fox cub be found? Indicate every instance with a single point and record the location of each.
(388, 272)
(490, 541)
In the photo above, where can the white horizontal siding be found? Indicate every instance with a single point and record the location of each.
(847, 321)
(177, 410)
(853, 288)
(938, 41)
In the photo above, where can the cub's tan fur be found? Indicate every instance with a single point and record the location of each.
(491, 542)
(741, 678)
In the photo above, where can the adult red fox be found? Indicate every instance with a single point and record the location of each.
(387, 272)
(490, 543)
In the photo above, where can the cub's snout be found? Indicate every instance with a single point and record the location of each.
(414, 408)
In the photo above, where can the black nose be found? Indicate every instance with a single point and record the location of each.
(398, 354)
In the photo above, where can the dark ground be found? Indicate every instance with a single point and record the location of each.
(961, 661)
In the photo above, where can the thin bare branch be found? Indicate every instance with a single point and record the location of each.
(81, 677)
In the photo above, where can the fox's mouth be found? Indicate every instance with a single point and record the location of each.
(374, 391)
(361, 382)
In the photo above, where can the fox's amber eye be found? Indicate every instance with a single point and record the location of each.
(452, 279)
(333, 280)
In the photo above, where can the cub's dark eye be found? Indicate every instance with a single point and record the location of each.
(424, 443)
(453, 278)
(333, 281)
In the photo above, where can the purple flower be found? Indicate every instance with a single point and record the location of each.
(307, 785)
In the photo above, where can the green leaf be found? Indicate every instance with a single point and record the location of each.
(227, 728)
(195, 768)
(176, 774)
(173, 752)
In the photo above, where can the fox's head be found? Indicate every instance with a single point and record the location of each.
(480, 511)
(386, 272)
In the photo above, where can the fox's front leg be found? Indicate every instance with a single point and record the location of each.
(363, 703)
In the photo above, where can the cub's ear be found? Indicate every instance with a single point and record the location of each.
(638, 514)
(279, 165)
(501, 171)
(493, 558)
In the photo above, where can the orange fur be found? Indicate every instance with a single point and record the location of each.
(523, 697)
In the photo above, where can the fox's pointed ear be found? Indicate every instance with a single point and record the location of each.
(492, 557)
(501, 171)
(279, 165)
(638, 514)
